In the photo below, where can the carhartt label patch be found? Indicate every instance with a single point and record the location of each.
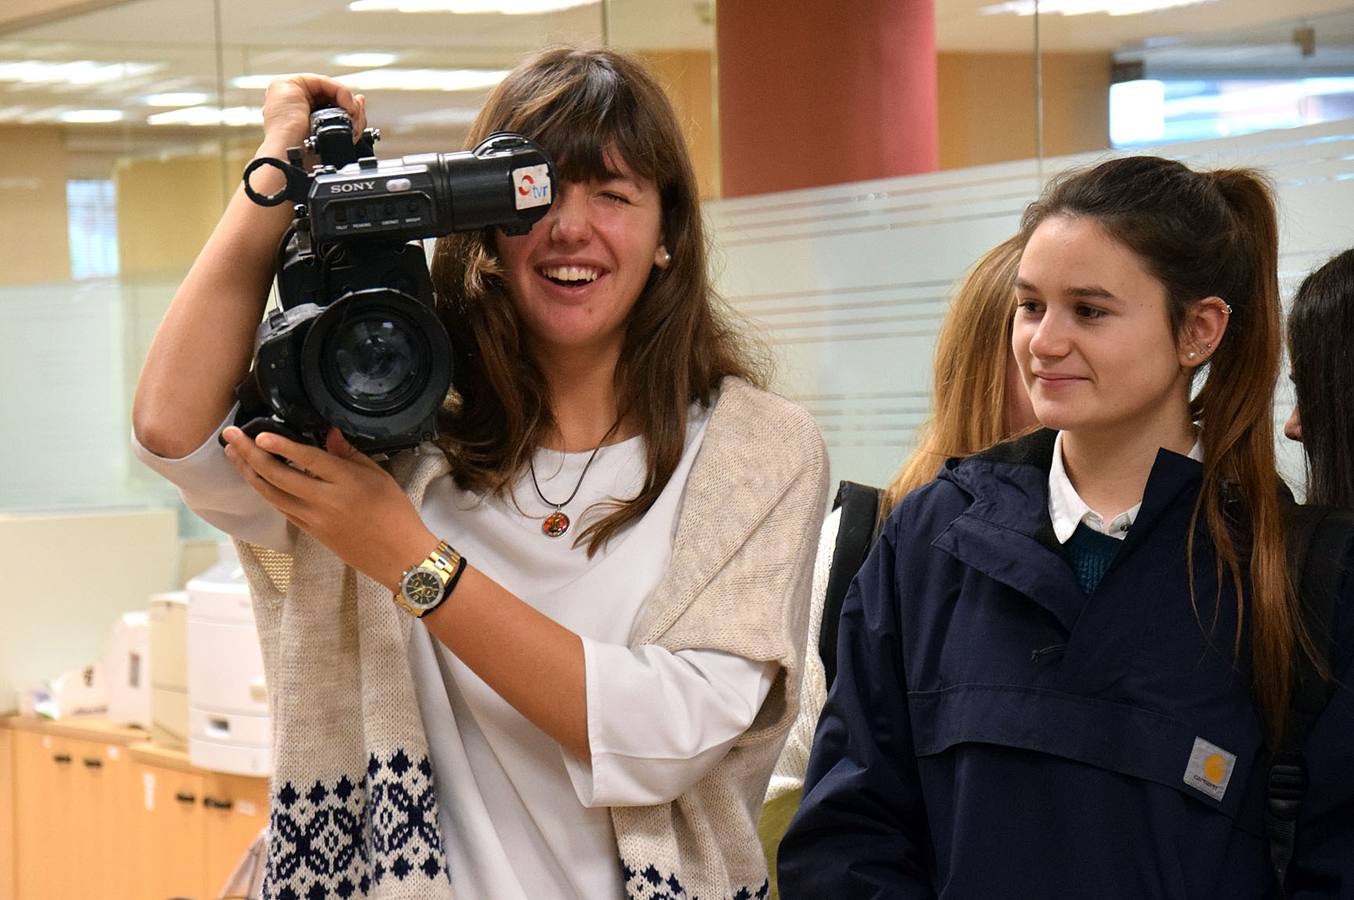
(1210, 768)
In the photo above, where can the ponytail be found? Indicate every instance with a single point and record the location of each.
(1235, 406)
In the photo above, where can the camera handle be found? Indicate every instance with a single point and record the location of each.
(295, 190)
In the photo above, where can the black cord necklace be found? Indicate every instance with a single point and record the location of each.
(557, 523)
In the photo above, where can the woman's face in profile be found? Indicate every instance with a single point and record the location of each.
(1292, 429)
(575, 277)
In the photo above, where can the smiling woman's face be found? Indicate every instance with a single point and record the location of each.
(575, 277)
(1092, 334)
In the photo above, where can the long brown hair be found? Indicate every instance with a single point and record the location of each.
(1319, 327)
(968, 381)
(580, 106)
(1215, 234)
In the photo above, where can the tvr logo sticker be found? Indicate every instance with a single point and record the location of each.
(533, 186)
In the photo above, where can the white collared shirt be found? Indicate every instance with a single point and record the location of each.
(1068, 510)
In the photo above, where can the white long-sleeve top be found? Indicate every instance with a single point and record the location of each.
(519, 816)
(793, 763)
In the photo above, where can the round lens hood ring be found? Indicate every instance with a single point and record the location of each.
(431, 364)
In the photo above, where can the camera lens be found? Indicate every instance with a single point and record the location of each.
(374, 362)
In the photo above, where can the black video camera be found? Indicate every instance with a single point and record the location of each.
(355, 342)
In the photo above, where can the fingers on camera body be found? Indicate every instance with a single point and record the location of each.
(317, 92)
(272, 475)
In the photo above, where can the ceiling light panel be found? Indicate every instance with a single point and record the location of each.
(82, 72)
(92, 116)
(176, 99)
(470, 7)
(1085, 7)
(364, 60)
(399, 80)
(235, 116)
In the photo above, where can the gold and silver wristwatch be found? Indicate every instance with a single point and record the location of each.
(426, 585)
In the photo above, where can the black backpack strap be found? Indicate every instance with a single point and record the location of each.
(859, 505)
(1318, 538)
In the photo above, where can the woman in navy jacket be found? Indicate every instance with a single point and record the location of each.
(1060, 667)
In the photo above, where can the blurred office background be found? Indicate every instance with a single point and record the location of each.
(856, 156)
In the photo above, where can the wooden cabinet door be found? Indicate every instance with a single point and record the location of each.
(46, 861)
(170, 853)
(91, 822)
(235, 809)
(103, 827)
(7, 818)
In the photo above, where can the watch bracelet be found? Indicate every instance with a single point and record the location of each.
(451, 586)
(441, 557)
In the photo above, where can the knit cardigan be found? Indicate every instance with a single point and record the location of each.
(353, 803)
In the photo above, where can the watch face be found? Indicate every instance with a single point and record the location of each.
(422, 588)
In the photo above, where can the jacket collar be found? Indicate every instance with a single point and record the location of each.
(1007, 534)
(1067, 510)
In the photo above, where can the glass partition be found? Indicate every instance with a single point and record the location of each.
(851, 282)
(127, 127)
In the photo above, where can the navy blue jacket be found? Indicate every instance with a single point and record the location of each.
(995, 732)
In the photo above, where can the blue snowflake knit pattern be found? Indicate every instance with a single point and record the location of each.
(646, 882)
(342, 839)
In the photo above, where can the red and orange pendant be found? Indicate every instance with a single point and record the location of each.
(555, 524)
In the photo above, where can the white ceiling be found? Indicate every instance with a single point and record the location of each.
(262, 37)
(267, 37)
(653, 24)
(960, 24)
(647, 24)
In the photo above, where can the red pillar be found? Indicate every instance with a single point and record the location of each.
(814, 94)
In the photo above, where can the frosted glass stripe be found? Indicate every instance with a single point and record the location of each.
(849, 283)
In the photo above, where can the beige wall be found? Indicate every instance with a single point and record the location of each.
(166, 210)
(123, 557)
(33, 196)
(688, 76)
(987, 111)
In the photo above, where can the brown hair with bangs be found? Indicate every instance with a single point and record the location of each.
(1216, 234)
(581, 106)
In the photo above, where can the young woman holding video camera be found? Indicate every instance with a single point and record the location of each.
(1065, 666)
(607, 555)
